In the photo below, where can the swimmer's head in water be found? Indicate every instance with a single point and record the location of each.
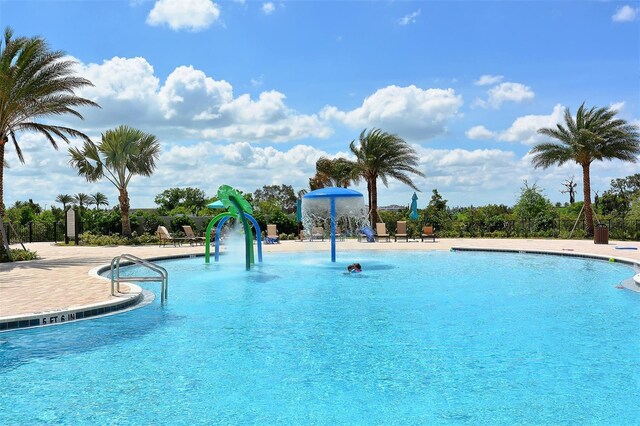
(354, 267)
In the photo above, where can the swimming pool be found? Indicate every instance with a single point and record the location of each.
(417, 337)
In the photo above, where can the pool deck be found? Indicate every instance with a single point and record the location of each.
(62, 279)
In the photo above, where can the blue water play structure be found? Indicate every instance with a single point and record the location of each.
(241, 210)
(336, 202)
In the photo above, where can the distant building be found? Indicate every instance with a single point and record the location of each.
(392, 208)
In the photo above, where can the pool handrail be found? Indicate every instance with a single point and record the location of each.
(163, 277)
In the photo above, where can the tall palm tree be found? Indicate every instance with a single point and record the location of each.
(383, 155)
(99, 199)
(594, 134)
(335, 172)
(64, 199)
(82, 199)
(122, 153)
(36, 83)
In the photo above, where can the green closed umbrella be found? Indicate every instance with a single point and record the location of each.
(414, 207)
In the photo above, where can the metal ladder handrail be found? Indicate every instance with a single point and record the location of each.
(163, 277)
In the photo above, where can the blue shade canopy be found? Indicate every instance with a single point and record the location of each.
(414, 207)
(216, 205)
(332, 193)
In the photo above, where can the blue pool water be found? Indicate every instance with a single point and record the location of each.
(416, 338)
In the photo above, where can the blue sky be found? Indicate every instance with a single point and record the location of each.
(251, 93)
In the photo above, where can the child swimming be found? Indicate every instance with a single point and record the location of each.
(354, 267)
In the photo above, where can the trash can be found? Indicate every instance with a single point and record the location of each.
(601, 234)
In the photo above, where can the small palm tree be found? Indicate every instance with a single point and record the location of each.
(99, 199)
(82, 200)
(337, 172)
(594, 134)
(64, 199)
(383, 155)
(121, 154)
(36, 83)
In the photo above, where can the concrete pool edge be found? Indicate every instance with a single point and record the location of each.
(122, 303)
(136, 297)
(628, 284)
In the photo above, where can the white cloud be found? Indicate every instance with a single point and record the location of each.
(121, 79)
(257, 82)
(190, 104)
(479, 132)
(524, 130)
(505, 92)
(189, 93)
(617, 106)
(193, 15)
(268, 8)
(625, 13)
(410, 18)
(411, 112)
(488, 79)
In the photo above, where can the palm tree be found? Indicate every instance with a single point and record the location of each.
(99, 199)
(383, 155)
(337, 172)
(36, 83)
(594, 134)
(121, 154)
(82, 200)
(64, 199)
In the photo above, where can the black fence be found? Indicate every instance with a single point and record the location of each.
(559, 228)
(34, 232)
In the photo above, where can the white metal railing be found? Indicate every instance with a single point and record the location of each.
(116, 279)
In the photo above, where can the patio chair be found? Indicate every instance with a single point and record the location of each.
(272, 235)
(317, 232)
(401, 231)
(191, 236)
(339, 234)
(427, 232)
(381, 231)
(165, 236)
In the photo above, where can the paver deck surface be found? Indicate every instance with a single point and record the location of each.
(60, 278)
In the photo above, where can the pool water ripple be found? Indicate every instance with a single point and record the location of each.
(439, 338)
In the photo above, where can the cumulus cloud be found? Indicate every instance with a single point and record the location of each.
(409, 18)
(268, 8)
(190, 104)
(192, 15)
(625, 13)
(523, 130)
(121, 79)
(506, 92)
(488, 79)
(190, 93)
(617, 106)
(479, 132)
(411, 112)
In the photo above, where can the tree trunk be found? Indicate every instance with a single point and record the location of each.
(123, 198)
(374, 202)
(588, 212)
(369, 201)
(3, 143)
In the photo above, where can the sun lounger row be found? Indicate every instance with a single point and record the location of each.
(165, 237)
(318, 234)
